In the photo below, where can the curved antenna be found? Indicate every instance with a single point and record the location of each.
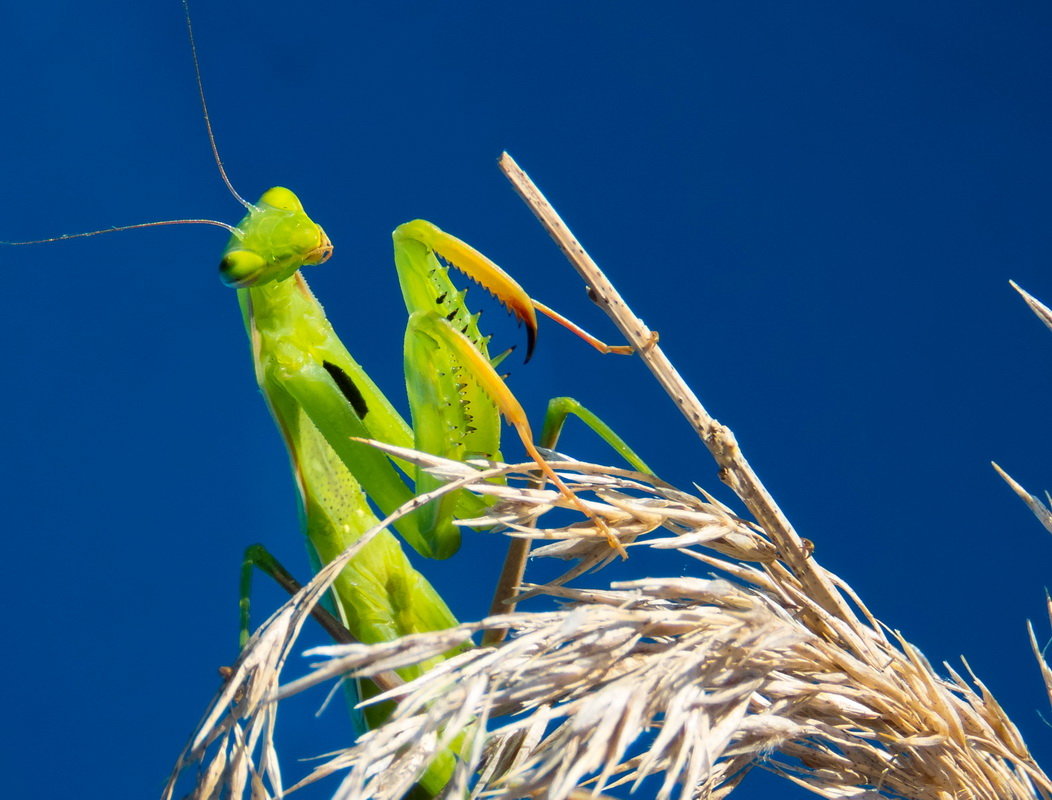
(118, 228)
(204, 108)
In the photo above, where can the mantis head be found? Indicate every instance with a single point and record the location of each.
(274, 240)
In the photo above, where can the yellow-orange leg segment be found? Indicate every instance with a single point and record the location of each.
(479, 369)
(570, 325)
(496, 281)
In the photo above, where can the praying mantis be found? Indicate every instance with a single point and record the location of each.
(322, 400)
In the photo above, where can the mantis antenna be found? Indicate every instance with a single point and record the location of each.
(215, 155)
(204, 109)
(117, 228)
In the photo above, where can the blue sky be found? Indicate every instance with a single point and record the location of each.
(818, 205)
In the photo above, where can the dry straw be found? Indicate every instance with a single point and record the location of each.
(686, 681)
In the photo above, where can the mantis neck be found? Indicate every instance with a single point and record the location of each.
(286, 308)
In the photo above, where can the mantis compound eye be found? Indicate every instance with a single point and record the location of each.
(241, 268)
(281, 198)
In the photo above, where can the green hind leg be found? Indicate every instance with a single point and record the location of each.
(559, 408)
(258, 557)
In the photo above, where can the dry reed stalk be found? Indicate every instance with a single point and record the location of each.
(771, 661)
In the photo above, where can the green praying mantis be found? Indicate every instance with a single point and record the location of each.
(324, 402)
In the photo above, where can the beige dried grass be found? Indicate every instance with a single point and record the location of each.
(1040, 509)
(772, 661)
